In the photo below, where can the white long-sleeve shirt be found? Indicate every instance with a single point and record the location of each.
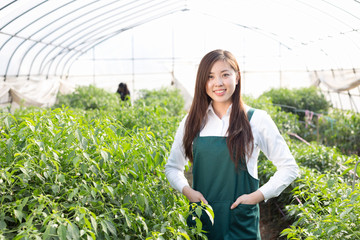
(267, 138)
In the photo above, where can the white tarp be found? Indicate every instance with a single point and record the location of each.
(32, 92)
(337, 81)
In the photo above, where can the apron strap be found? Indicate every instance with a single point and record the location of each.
(250, 112)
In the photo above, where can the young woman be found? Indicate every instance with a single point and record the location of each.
(222, 137)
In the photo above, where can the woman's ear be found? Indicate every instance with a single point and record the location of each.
(237, 78)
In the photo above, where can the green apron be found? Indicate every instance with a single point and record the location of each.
(214, 175)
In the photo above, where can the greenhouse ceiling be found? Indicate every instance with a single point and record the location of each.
(49, 37)
(38, 35)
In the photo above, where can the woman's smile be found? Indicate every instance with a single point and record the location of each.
(220, 92)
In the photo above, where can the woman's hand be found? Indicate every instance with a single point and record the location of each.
(252, 198)
(193, 196)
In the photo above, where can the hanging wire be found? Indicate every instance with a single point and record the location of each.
(342, 9)
(337, 19)
(7, 5)
(22, 14)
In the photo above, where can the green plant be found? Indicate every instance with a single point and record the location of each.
(83, 174)
(285, 121)
(169, 99)
(325, 208)
(89, 97)
(299, 100)
(341, 128)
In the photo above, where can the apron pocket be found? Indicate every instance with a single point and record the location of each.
(244, 222)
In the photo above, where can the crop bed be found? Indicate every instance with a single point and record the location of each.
(75, 172)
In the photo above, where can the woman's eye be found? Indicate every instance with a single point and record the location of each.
(211, 77)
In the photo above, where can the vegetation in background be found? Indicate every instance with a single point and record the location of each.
(317, 120)
(96, 172)
(170, 100)
(83, 174)
(293, 100)
(320, 204)
(342, 129)
(89, 97)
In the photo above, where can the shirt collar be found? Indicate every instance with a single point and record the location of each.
(211, 109)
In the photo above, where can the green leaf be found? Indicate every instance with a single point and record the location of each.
(78, 135)
(210, 212)
(61, 178)
(18, 237)
(61, 231)
(104, 155)
(123, 178)
(84, 143)
(111, 227)
(73, 231)
(69, 140)
(198, 224)
(93, 223)
(2, 224)
(9, 143)
(104, 226)
(55, 188)
(48, 230)
(72, 194)
(185, 235)
(19, 214)
(346, 212)
(128, 223)
(198, 211)
(87, 222)
(111, 190)
(346, 171)
(23, 203)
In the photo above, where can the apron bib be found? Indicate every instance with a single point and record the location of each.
(215, 176)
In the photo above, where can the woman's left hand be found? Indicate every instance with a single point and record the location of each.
(252, 198)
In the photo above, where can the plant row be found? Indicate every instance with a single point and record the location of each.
(322, 203)
(94, 174)
(95, 171)
(317, 121)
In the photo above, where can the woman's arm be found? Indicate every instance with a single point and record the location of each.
(277, 151)
(175, 166)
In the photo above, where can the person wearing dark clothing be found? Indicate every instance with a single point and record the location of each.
(123, 91)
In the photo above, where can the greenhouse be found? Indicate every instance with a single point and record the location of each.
(79, 162)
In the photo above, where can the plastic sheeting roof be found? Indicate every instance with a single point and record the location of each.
(37, 36)
(44, 36)
(320, 37)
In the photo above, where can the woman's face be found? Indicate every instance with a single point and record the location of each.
(221, 83)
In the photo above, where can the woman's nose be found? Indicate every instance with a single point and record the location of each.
(218, 81)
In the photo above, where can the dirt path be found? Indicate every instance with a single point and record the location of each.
(272, 221)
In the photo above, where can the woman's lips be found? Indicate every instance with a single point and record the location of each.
(219, 92)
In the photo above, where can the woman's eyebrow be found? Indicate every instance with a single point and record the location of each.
(225, 70)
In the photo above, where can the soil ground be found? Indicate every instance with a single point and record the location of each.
(272, 221)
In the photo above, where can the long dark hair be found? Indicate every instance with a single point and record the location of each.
(240, 139)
